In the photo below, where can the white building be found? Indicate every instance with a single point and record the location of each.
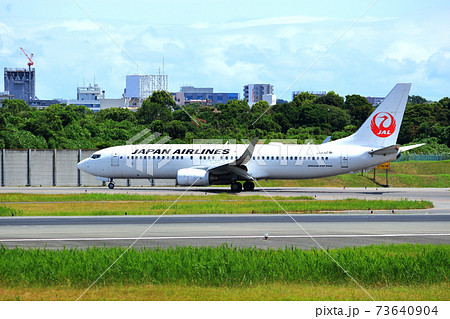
(254, 92)
(140, 87)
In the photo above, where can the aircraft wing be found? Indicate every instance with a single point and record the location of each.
(236, 166)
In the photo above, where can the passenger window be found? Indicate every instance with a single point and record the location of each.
(192, 157)
(313, 158)
(326, 158)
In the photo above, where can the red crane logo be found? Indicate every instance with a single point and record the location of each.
(379, 127)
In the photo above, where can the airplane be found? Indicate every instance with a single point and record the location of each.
(372, 144)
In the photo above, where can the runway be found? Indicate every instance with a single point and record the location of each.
(305, 231)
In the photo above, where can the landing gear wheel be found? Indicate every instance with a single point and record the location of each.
(249, 186)
(236, 187)
(111, 185)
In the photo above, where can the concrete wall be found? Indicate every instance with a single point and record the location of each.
(54, 168)
(41, 167)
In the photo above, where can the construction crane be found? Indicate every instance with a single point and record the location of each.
(30, 97)
(29, 57)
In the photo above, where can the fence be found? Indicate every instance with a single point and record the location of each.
(53, 168)
(423, 157)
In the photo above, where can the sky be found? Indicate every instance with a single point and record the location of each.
(320, 45)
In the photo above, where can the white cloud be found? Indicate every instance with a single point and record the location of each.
(80, 25)
(252, 23)
(403, 50)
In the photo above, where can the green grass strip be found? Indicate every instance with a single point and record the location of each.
(205, 206)
(88, 197)
(207, 266)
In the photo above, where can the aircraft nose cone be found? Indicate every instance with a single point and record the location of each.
(82, 165)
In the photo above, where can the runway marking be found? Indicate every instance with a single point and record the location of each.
(217, 237)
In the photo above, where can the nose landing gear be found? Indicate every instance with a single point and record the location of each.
(111, 184)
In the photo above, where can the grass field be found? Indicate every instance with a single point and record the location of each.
(264, 292)
(402, 174)
(119, 204)
(389, 272)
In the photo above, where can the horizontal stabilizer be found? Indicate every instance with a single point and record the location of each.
(410, 147)
(386, 150)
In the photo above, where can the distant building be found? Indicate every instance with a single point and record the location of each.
(204, 96)
(42, 104)
(140, 87)
(254, 92)
(89, 95)
(20, 83)
(316, 93)
(270, 98)
(374, 100)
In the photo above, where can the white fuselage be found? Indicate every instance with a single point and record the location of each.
(162, 161)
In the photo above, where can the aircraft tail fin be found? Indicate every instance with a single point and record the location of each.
(383, 125)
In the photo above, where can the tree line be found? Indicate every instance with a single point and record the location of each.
(306, 118)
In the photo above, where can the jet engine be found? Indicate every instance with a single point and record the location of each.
(193, 176)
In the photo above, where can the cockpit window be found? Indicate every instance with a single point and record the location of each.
(95, 156)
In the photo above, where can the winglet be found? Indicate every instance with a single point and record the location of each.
(247, 155)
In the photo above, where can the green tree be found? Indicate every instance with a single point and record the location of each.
(331, 98)
(2, 122)
(151, 111)
(358, 107)
(304, 97)
(14, 106)
(416, 99)
(163, 98)
(116, 114)
(176, 129)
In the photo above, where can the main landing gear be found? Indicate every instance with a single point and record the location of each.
(111, 184)
(237, 187)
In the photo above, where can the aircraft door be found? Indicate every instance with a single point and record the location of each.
(344, 160)
(115, 159)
